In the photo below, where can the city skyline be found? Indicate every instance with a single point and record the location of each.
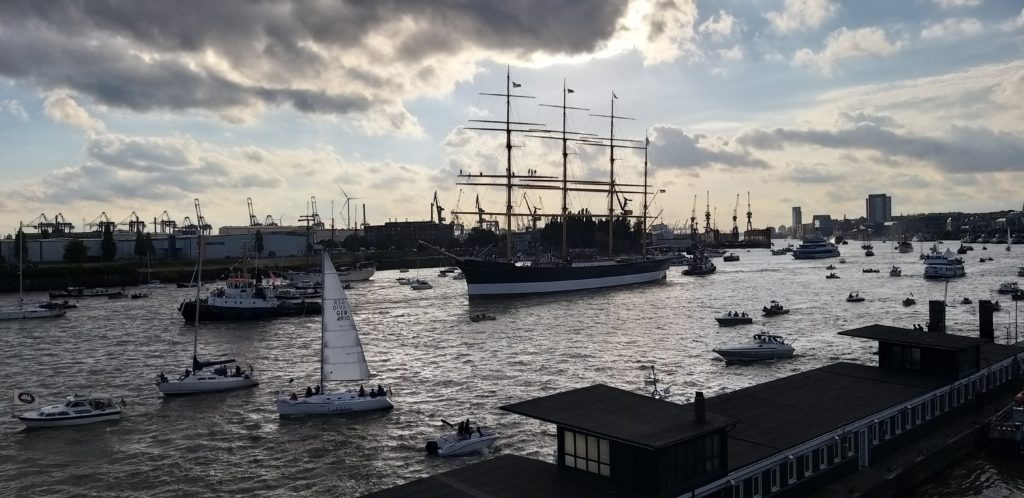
(109, 107)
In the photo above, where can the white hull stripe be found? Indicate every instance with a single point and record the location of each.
(561, 285)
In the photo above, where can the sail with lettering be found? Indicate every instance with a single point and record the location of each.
(343, 357)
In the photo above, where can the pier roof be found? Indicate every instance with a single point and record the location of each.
(509, 476)
(621, 415)
(913, 337)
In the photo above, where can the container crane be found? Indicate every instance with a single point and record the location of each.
(735, 227)
(133, 223)
(101, 223)
(204, 227)
(534, 217)
(312, 220)
(166, 224)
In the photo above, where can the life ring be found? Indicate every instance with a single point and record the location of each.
(26, 398)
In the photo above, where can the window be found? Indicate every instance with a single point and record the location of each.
(791, 471)
(848, 445)
(808, 470)
(774, 476)
(874, 433)
(587, 453)
(835, 451)
(885, 429)
(755, 485)
(928, 408)
(822, 460)
(737, 490)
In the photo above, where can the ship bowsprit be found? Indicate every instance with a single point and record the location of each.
(486, 278)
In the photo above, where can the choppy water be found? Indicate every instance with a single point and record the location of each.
(440, 365)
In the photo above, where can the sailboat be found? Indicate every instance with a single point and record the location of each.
(21, 313)
(341, 359)
(201, 379)
(509, 276)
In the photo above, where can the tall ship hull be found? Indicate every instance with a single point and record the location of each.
(498, 278)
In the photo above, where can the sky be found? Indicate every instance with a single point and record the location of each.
(115, 107)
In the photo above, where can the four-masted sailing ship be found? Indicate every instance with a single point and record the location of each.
(507, 276)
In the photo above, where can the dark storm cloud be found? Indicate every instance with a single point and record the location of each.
(143, 55)
(961, 150)
(673, 148)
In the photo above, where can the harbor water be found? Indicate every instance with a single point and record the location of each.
(440, 365)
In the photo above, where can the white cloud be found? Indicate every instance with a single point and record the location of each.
(731, 54)
(801, 15)
(14, 108)
(62, 108)
(952, 28)
(662, 30)
(953, 4)
(845, 44)
(720, 26)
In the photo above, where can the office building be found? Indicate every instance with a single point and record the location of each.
(879, 208)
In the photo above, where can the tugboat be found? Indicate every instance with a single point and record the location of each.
(763, 347)
(731, 318)
(243, 298)
(700, 264)
(774, 309)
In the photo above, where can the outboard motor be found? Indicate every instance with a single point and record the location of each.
(432, 448)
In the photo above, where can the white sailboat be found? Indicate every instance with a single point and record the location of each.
(201, 378)
(21, 313)
(341, 359)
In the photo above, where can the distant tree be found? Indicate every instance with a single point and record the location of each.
(75, 251)
(20, 244)
(354, 242)
(329, 244)
(147, 241)
(259, 242)
(140, 245)
(108, 248)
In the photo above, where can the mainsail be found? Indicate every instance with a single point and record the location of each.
(342, 352)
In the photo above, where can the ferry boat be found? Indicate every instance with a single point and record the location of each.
(940, 264)
(242, 298)
(76, 410)
(816, 247)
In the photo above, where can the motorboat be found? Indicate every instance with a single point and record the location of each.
(816, 247)
(1008, 288)
(462, 439)
(895, 271)
(866, 246)
(774, 308)
(1020, 271)
(778, 252)
(420, 284)
(870, 270)
(459, 276)
(140, 295)
(996, 306)
(961, 249)
(966, 300)
(678, 259)
(57, 305)
(831, 275)
(76, 410)
(855, 297)
(715, 253)
(80, 292)
(442, 274)
(909, 301)
(406, 280)
(480, 317)
(403, 270)
(940, 264)
(732, 318)
(204, 376)
(763, 346)
(700, 264)
(450, 269)
(731, 257)
(842, 260)
(362, 271)
(830, 267)
(341, 359)
(905, 246)
(869, 253)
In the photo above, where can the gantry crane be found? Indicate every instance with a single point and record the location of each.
(204, 227)
(133, 223)
(101, 223)
(312, 220)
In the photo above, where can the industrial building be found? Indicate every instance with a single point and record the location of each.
(406, 234)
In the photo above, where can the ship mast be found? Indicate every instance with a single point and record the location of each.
(565, 163)
(611, 173)
(643, 232)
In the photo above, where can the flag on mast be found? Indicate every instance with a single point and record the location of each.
(614, 96)
(516, 85)
(569, 90)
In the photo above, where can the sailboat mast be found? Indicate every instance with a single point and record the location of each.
(611, 182)
(323, 307)
(21, 254)
(508, 163)
(643, 231)
(565, 179)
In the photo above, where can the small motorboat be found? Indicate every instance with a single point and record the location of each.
(870, 270)
(774, 308)
(982, 260)
(842, 260)
(1018, 296)
(855, 297)
(420, 284)
(966, 300)
(909, 301)
(763, 347)
(459, 276)
(1020, 271)
(442, 274)
(869, 253)
(731, 318)
(1008, 288)
(76, 410)
(450, 269)
(480, 317)
(403, 270)
(778, 252)
(731, 257)
(895, 271)
(462, 439)
(406, 281)
(832, 275)
(119, 295)
(996, 306)
(830, 267)
(140, 295)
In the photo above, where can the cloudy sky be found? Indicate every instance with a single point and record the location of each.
(142, 106)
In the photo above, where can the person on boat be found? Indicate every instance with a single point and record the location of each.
(362, 392)
(238, 371)
(188, 373)
(294, 397)
(380, 390)
(316, 389)
(309, 391)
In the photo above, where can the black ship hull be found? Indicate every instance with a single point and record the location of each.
(209, 313)
(498, 278)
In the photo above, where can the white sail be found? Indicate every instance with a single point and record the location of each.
(342, 352)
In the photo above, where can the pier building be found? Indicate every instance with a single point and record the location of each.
(792, 436)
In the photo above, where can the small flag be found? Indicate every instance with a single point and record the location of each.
(614, 96)
(516, 85)
(570, 90)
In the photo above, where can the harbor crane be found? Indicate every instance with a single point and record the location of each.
(735, 227)
(57, 225)
(312, 220)
(101, 223)
(347, 209)
(693, 216)
(707, 214)
(750, 225)
(534, 217)
(435, 205)
(204, 227)
(269, 221)
(253, 222)
(165, 223)
(133, 223)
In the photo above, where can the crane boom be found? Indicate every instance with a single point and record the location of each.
(750, 226)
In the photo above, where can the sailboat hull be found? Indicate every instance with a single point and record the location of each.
(496, 278)
(330, 404)
(204, 383)
(29, 314)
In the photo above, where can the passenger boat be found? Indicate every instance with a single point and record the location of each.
(462, 439)
(730, 319)
(774, 308)
(816, 247)
(341, 359)
(764, 346)
(940, 264)
(243, 298)
(76, 410)
(1008, 288)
